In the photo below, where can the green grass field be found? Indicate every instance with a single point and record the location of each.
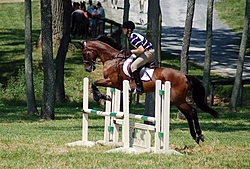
(28, 142)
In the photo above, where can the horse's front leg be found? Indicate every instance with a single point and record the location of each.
(97, 95)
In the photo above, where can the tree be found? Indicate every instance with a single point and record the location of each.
(63, 48)
(238, 77)
(124, 39)
(187, 35)
(207, 62)
(31, 101)
(154, 35)
(57, 22)
(186, 41)
(47, 110)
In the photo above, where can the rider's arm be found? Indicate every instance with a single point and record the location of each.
(138, 50)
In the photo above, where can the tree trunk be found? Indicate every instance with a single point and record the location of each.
(31, 101)
(207, 62)
(57, 22)
(62, 52)
(154, 36)
(124, 39)
(186, 42)
(47, 110)
(238, 77)
(187, 35)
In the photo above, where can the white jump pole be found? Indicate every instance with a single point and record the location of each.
(162, 115)
(84, 141)
(111, 131)
(125, 128)
(85, 106)
(157, 114)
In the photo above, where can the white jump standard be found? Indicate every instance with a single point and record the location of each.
(136, 137)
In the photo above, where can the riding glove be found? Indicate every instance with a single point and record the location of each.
(126, 52)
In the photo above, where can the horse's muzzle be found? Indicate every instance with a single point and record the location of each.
(90, 68)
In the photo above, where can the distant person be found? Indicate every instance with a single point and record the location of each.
(141, 5)
(85, 12)
(78, 19)
(90, 5)
(83, 5)
(114, 4)
(92, 20)
(76, 5)
(101, 15)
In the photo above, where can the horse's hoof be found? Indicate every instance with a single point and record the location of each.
(108, 98)
(202, 138)
(197, 140)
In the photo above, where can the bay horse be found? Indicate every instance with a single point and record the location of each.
(113, 60)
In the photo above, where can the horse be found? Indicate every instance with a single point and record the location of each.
(181, 83)
(79, 23)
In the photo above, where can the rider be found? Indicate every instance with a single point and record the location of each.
(143, 52)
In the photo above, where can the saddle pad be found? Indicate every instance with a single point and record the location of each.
(148, 73)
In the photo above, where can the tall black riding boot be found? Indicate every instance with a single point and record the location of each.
(138, 82)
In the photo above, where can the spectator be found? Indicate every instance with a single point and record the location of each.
(114, 4)
(100, 15)
(76, 5)
(141, 4)
(83, 5)
(92, 21)
(90, 6)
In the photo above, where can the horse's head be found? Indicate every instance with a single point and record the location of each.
(89, 56)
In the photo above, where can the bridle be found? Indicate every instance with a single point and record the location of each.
(91, 62)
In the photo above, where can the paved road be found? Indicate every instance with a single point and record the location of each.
(225, 43)
(224, 50)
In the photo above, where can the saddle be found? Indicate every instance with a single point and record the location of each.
(146, 70)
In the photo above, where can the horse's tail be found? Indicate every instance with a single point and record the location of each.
(198, 93)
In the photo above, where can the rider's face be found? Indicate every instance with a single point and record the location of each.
(124, 30)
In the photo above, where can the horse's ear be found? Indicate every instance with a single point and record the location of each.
(81, 43)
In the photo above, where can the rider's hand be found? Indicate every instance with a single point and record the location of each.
(126, 52)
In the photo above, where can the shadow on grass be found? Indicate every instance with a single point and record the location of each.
(226, 122)
(15, 112)
(12, 52)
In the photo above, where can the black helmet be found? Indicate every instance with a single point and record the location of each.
(129, 25)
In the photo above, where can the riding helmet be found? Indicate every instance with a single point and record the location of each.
(129, 25)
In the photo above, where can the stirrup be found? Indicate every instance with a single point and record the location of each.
(138, 90)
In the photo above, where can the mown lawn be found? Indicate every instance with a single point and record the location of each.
(27, 142)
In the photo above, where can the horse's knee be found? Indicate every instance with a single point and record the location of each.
(93, 86)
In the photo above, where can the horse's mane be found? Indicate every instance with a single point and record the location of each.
(110, 41)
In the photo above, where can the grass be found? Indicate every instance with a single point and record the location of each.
(232, 13)
(28, 142)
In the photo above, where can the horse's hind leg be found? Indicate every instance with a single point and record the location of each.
(192, 118)
(197, 126)
(190, 124)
